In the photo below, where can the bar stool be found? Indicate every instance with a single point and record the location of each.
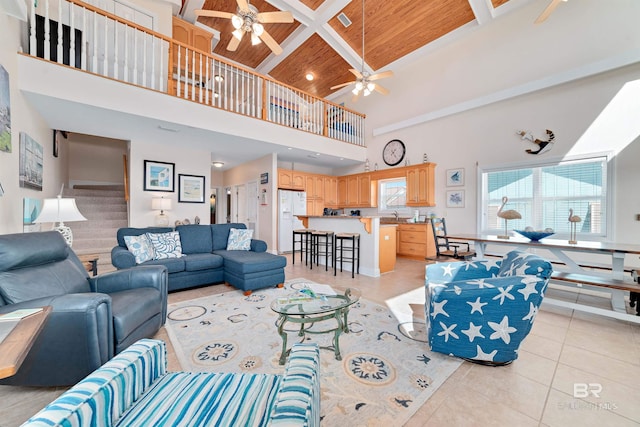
(320, 239)
(304, 234)
(353, 250)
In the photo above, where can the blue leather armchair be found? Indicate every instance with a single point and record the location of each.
(92, 318)
(482, 310)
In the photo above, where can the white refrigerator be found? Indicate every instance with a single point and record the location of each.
(290, 204)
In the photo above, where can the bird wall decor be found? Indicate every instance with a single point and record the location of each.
(507, 215)
(543, 146)
(573, 220)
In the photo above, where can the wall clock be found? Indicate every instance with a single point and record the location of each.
(393, 152)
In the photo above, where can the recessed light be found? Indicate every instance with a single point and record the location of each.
(309, 76)
(218, 78)
(289, 148)
(217, 164)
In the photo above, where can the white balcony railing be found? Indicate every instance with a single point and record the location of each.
(80, 35)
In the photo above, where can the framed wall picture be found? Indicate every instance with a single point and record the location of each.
(5, 112)
(190, 188)
(455, 177)
(31, 155)
(455, 199)
(159, 176)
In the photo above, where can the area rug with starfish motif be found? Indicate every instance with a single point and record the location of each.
(386, 373)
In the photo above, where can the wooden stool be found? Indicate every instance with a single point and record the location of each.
(354, 250)
(321, 239)
(304, 234)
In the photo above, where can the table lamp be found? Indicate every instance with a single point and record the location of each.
(59, 210)
(161, 204)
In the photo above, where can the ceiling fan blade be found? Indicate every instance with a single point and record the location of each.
(381, 75)
(548, 11)
(234, 42)
(213, 13)
(243, 4)
(271, 43)
(380, 89)
(341, 85)
(356, 73)
(275, 17)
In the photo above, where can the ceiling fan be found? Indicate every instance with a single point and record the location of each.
(548, 11)
(364, 81)
(247, 19)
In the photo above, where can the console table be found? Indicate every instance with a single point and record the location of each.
(14, 348)
(610, 278)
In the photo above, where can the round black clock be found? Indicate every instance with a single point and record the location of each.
(393, 152)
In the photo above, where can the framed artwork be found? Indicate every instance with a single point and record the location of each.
(31, 210)
(30, 163)
(455, 199)
(190, 188)
(5, 112)
(57, 134)
(159, 176)
(455, 177)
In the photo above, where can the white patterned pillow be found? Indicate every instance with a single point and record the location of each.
(166, 245)
(239, 239)
(140, 247)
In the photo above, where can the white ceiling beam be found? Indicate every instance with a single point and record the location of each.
(483, 10)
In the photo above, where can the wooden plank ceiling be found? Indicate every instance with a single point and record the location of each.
(393, 29)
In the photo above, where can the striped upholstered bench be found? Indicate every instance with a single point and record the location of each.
(134, 389)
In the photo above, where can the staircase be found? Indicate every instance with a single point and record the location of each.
(106, 211)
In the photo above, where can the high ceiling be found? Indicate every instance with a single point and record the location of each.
(318, 43)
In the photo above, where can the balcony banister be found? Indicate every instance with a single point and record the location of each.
(178, 69)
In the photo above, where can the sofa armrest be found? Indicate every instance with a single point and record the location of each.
(298, 399)
(103, 396)
(149, 276)
(82, 322)
(122, 258)
(258, 245)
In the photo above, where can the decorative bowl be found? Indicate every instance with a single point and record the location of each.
(534, 236)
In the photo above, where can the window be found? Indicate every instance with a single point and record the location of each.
(393, 194)
(544, 194)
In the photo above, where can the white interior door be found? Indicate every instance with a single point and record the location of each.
(239, 204)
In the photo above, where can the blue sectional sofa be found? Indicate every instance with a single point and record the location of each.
(205, 258)
(135, 389)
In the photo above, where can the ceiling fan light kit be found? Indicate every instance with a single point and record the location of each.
(364, 80)
(247, 19)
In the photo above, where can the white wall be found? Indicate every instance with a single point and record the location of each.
(187, 161)
(23, 119)
(267, 214)
(502, 60)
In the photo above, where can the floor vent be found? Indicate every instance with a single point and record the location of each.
(344, 20)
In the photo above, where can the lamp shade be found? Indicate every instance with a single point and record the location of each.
(160, 204)
(59, 210)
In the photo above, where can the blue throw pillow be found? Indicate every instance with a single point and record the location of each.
(140, 247)
(239, 239)
(166, 245)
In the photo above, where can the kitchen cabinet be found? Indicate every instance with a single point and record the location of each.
(357, 191)
(416, 240)
(191, 35)
(330, 187)
(315, 207)
(291, 180)
(314, 187)
(420, 185)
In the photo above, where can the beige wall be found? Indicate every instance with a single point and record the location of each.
(95, 160)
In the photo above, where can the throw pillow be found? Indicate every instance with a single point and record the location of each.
(239, 239)
(140, 247)
(166, 245)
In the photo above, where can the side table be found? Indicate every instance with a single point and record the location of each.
(90, 262)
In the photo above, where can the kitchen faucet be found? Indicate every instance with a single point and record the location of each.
(395, 213)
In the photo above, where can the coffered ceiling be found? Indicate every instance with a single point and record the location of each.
(318, 43)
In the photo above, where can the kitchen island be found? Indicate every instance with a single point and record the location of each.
(367, 226)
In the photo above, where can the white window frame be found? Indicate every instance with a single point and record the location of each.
(381, 210)
(608, 233)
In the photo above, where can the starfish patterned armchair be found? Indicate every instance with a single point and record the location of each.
(482, 310)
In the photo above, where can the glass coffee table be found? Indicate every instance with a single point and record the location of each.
(307, 311)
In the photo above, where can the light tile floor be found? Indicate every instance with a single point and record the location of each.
(564, 348)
